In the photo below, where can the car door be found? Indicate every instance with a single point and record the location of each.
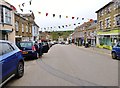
(118, 49)
(8, 60)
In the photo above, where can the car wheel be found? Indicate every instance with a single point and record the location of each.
(114, 56)
(20, 70)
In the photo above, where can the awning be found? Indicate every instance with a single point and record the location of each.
(6, 30)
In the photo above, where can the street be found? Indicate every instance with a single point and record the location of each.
(68, 65)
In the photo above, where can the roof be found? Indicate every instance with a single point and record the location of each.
(105, 6)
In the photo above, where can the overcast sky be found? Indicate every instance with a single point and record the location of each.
(76, 8)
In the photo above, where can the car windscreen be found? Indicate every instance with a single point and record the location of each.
(26, 44)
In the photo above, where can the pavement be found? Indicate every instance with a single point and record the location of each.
(95, 49)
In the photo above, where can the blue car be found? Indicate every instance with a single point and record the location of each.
(11, 62)
(28, 49)
(116, 51)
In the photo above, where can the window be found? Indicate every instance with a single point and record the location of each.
(26, 28)
(101, 25)
(117, 18)
(107, 22)
(22, 28)
(16, 26)
(7, 16)
(6, 48)
(101, 13)
(0, 14)
(108, 9)
(118, 45)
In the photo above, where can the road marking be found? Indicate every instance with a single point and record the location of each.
(67, 77)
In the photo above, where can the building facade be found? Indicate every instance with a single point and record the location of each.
(7, 31)
(23, 27)
(35, 32)
(108, 26)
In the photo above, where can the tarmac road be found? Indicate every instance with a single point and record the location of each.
(68, 65)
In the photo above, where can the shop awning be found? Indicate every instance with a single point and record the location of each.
(6, 30)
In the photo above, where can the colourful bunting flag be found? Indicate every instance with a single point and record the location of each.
(23, 4)
(66, 16)
(39, 12)
(21, 10)
(30, 10)
(77, 18)
(82, 18)
(95, 21)
(53, 15)
(59, 16)
(91, 20)
(73, 17)
(30, 2)
(46, 14)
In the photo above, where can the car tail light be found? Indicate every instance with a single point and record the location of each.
(33, 48)
(21, 51)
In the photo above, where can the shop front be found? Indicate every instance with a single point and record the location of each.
(108, 39)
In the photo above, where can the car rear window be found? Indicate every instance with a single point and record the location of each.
(26, 44)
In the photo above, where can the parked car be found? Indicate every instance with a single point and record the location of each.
(11, 62)
(28, 49)
(116, 51)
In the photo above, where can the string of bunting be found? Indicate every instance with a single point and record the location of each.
(21, 6)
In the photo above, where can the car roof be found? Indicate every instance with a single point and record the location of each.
(25, 42)
(5, 41)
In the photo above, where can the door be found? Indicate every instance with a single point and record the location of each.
(8, 60)
(118, 49)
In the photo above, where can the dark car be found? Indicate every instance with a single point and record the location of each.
(11, 62)
(28, 49)
(116, 51)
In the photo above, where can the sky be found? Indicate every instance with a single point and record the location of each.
(71, 8)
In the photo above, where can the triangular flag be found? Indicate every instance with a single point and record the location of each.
(21, 10)
(77, 18)
(51, 27)
(23, 4)
(74, 24)
(91, 20)
(53, 15)
(73, 17)
(63, 26)
(46, 14)
(59, 16)
(19, 6)
(30, 2)
(69, 24)
(66, 25)
(30, 10)
(78, 23)
(95, 21)
(82, 18)
(58, 26)
(66, 16)
(39, 12)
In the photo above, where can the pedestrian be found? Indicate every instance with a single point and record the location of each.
(36, 47)
(40, 49)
